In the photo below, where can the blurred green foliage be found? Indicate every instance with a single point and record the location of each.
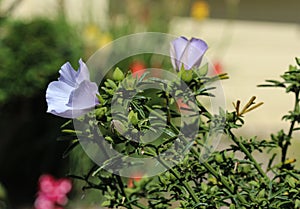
(31, 53)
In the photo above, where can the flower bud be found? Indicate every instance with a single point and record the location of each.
(118, 75)
(133, 117)
(186, 75)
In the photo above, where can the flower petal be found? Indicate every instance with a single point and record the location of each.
(82, 73)
(176, 51)
(193, 53)
(64, 186)
(84, 97)
(57, 96)
(68, 74)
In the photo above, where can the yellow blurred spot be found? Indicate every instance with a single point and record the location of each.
(104, 39)
(200, 10)
(94, 37)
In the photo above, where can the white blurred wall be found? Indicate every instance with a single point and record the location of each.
(250, 52)
(75, 10)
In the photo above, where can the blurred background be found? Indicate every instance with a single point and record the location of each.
(251, 40)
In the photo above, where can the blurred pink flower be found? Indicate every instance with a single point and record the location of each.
(52, 192)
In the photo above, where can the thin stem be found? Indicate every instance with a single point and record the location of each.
(206, 165)
(214, 172)
(287, 142)
(177, 176)
(168, 109)
(218, 176)
(121, 186)
(119, 179)
(248, 155)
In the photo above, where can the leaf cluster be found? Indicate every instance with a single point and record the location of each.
(231, 177)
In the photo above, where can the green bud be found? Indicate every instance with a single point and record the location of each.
(219, 158)
(100, 112)
(133, 117)
(118, 75)
(186, 75)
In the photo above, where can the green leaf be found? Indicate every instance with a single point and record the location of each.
(106, 203)
(112, 84)
(202, 71)
(291, 181)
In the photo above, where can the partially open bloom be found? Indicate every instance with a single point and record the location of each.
(52, 192)
(73, 94)
(187, 53)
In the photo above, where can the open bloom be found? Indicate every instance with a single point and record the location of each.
(73, 94)
(186, 52)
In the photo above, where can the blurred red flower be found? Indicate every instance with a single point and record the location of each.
(137, 68)
(218, 67)
(137, 176)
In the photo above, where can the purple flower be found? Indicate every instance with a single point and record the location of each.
(73, 94)
(187, 52)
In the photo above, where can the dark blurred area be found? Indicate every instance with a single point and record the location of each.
(31, 53)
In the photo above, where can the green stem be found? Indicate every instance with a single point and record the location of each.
(218, 176)
(248, 155)
(287, 142)
(206, 165)
(177, 176)
(119, 180)
(168, 110)
(121, 186)
(214, 172)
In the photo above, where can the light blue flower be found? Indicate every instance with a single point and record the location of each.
(186, 52)
(73, 94)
